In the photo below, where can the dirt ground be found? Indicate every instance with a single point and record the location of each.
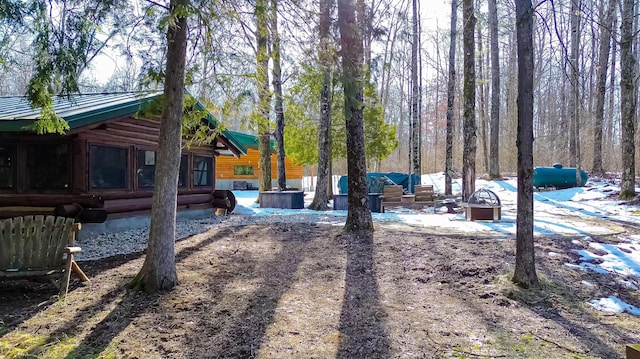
(311, 291)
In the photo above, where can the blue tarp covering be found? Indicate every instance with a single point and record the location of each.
(377, 180)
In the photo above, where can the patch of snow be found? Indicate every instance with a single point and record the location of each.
(619, 258)
(552, 254)
(614, 305)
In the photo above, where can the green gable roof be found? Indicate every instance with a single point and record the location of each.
(249, 141)
(79, 110)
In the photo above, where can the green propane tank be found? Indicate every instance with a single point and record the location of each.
(558, 177)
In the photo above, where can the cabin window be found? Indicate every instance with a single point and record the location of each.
(146, 168)
(48, 167)
(243, 170)
(182, 176)
(202, 171)
(108, 167)
(7, 167)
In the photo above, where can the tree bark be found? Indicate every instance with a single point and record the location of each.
(415, 96)
(469, 99)
(574, 102)
(627, 100)
(321, 196)
(525, 270)
(494, 128)
(601, 77)
(264, 98)
(359, 215)
(451, 94)
(158, 271)
(277, 89)
(483, 102)
(612, 86)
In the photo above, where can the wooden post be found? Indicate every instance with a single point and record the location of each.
(633, 351)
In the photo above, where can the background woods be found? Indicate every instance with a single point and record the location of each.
(245, 58)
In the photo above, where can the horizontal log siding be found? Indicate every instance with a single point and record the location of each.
(225, 165)
(126, 132)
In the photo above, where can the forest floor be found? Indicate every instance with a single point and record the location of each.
(307, 290)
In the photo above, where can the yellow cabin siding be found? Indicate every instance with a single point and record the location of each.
(225, 166)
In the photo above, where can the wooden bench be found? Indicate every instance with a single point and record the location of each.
(37, 246)
(391, 196)
(425, 196)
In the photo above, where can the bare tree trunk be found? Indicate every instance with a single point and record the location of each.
(277, 89)
(627, 100)
(264, 98)
(359, 215)
(576, 93)
(322, 194)
(574, 103)
(494, 150)
(601, 77)
(483, 102)
(469, 97)
(415, 96)
(158, 271)
(525, 271)
(451, 83)
(389, 57)
(612, 87)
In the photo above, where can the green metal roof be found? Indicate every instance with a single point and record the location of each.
(250, 141)
(79, 110)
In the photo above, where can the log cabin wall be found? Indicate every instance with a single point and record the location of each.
(226, 170)
(136, 135)
(125, 133)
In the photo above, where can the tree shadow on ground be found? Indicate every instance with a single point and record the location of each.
(362, 318)
(240, 334)
(133, 305)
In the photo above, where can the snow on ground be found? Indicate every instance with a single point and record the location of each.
(582, 211)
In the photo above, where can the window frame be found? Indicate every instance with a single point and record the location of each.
(186, 178)
(26, 170)
(127, 169)
(244, 166)
(210, 171)
(13, 168)
(137, 168)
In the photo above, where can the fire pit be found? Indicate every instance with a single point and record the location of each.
(483, 205)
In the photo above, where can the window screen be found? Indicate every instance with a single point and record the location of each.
(146, 170)
(202, 171)
(243, 170)
(108, 167)
(48, 167)
(7, 166)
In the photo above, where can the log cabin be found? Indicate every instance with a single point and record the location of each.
(103, 167)
(240, 173)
